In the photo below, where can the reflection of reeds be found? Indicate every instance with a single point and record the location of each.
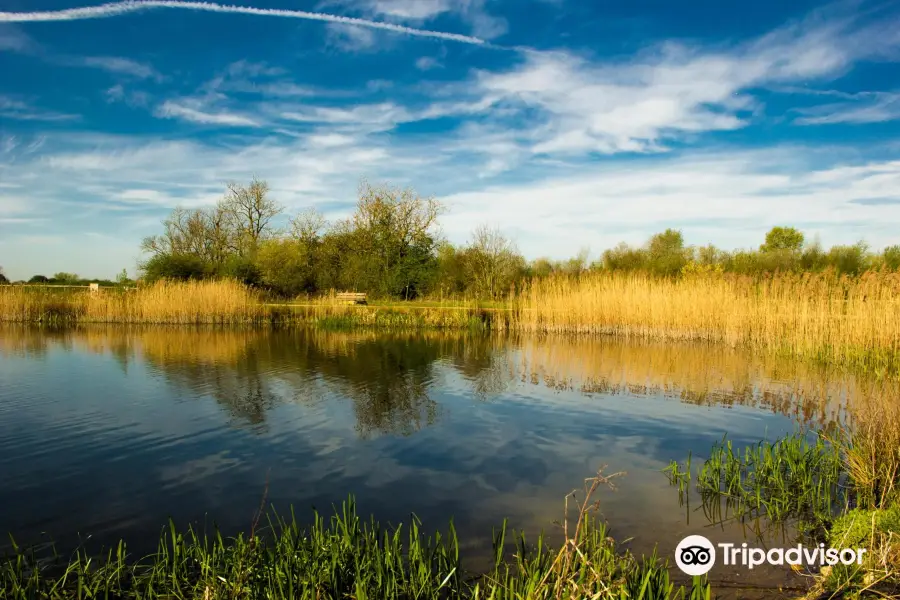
(694, 372)
(838, 320)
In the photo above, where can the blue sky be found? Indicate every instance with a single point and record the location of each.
(566, 123)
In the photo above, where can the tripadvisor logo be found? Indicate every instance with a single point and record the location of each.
(696, 555)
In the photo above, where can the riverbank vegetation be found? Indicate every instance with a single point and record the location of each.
(349, 557)
(391, 246)
(841, 487)
(840, 320)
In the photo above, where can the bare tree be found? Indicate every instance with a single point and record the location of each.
(206, 233)
(251, 210)
(308, 225)
(493, 259)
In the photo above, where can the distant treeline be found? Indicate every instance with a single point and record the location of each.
(392, 247)
(69, 279)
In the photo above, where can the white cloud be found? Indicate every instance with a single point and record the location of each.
(187, 110)
(122, 66)
(426, 63)
(133, 98)
(113, 10)
(865, 107)
(14, 40)
(15, 108)
(473, 12)
(604, 205)
(351, 38)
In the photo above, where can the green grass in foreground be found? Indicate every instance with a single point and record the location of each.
(810, 484)
(347, 557)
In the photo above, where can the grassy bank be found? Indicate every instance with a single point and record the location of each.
(348, 557)
(842, 489)
(837, 320)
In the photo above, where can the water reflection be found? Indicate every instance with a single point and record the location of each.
(108, 430)
(388, 376)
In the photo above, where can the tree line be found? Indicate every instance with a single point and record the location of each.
(391, 246)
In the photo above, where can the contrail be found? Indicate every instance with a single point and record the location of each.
(127, 6)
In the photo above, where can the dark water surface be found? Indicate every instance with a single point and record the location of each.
(107, 432)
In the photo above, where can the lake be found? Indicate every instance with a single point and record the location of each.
(105, 432)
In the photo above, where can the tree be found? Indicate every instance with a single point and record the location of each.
(284, 267)
(666, 253)
(39, 279)
(393, 239)
(205, 233)
(493, 261)
(174, 266)
(849, 260)
(625, 258)
(3, 279)
(66, 278)
(783, 239)
(891, 257)
(251, 211)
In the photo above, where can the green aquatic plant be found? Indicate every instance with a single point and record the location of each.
(349, 557)
(795, 480)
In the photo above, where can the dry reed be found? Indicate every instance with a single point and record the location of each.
(166, 302)
(840, 320)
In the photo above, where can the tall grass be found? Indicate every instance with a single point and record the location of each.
(349, 557)
(840, 320)
(183, 303)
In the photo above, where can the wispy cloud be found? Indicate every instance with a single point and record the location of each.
(129, 6)
(188, 111)
(473, 12)
(864, 107)
(14, 40)
(352, 38)
(14, 108)
(426, 63)
(133, 98)
(119, 65)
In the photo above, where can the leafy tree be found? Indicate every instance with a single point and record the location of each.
(175, 266)
(813, 257)
(3, 279)
(284, 267)
(66, 278)
(241, 268)
(123, 279)
(666, 254)
(783, 239)
(39, 279)
(450, 277)
(849, 260)
(625, 258)
(392, 239)
(891, 257)
(541, 267)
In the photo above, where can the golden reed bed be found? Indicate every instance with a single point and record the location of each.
(838, 320)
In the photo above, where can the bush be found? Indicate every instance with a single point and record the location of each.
(175, 266)
(242, 269)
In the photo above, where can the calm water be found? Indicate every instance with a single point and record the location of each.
(107, 432)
